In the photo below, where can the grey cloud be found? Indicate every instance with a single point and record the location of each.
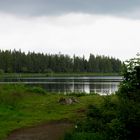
(55, 7)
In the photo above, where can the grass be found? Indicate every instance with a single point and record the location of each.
(22, 106)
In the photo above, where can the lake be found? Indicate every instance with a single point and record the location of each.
(96, 84)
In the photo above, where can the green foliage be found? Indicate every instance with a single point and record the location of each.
(129, 115)
(1, 71)
(76, 94)
(19, 62)
(50, 71)
(116, 130)
(130, 87)
(83, 136)
(36, 90)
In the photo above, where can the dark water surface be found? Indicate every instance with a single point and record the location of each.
(95, 84)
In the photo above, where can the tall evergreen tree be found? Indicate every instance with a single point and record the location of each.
(19, 62)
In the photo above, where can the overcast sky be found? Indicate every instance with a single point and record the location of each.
(81, 27)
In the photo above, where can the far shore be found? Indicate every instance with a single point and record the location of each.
(80, 74)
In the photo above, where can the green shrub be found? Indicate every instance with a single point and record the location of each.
(36, 90)
(130, 87)
(1, 71)
(84, 136)
(76, 94)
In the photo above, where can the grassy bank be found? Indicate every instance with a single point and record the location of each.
(56, 74)
(22, 106)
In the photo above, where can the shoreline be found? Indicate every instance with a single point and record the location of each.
(16, 75)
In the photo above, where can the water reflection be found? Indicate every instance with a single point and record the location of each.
(102, 85)
(81, 87)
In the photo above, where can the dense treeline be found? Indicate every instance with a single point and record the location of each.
(20, 62)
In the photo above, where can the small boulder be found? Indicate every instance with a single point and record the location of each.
(67, 101)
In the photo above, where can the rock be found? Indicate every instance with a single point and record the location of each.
(68, 101)
(62, 100)
(74, 100)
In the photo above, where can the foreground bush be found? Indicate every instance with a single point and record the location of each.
(84, 136)
(118, 117)
(130, 87)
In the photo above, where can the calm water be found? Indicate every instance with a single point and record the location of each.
(96, 84)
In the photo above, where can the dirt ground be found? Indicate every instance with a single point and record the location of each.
(49, 131)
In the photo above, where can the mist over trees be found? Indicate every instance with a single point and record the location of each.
(20, 62)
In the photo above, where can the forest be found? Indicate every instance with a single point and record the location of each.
(31, 62)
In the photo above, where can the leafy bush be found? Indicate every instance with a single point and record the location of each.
(99, 121)
(1, 71)
(84, 136)
(130, 87)
(36, 90)
(76, 94)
